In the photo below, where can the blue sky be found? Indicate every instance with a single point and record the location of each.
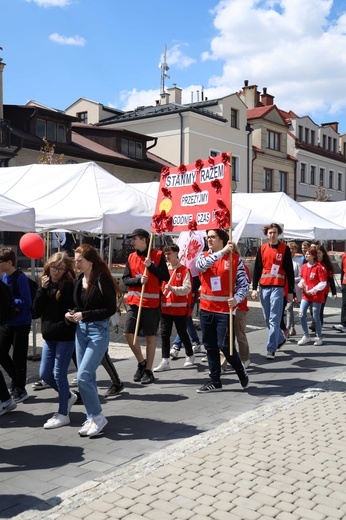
(109, 50)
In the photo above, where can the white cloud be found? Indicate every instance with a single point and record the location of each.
(50, 3)
(175, 56)
(78, 41)
(131, 99)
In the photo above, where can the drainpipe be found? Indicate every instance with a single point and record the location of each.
(152, 146)
(181, 137)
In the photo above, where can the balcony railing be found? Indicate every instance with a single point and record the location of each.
(5, 134)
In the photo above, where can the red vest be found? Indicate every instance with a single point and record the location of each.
(343, 261)
(151, 295)
(272, 257)
(172, 303)
(217, 300)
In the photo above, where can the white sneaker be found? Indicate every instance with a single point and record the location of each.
(56, 421)
(164, 365)
(204, 359)
(7, 406)
(246, 363)
(97, 425)
(71, 401)
(189, 361)
(174, 352)
(197, 348)
(73, 382)
(340, 328)
(318, 341)
(83, 432)
(305, 339)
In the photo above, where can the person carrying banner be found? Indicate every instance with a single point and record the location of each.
(216, 300)
(175, 307)
(273, 265)
(148, 269)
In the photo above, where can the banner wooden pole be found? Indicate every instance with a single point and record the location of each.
(231, 274)
(142, 292)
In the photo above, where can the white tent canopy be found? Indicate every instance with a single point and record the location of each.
(333, 211)
(15, 216)
(298, 222)
(78, 197)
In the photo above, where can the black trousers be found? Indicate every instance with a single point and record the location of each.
(167, 321)
(15, 366)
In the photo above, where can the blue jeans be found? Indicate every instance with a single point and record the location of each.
(91, 345)
(55, 360)
(316, 309)
(215, 331)
(272, 300)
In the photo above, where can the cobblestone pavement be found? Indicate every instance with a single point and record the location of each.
(276, 450)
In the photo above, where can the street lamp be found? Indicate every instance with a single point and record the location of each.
(249, 131)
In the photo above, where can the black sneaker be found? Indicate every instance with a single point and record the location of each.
(148, 377)
(140, 371)
(114, 389)
(211, 386)
(244, 381)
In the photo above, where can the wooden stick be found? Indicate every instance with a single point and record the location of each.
(142, 292)
(230, 268)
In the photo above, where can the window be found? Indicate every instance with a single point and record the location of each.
(41, 128)
(324, 142)
(300, 133)
(303, 173)
(313, 175)
(131, 148)
(51, 131)
(306, 135)
(214, 153)
(283, 184)
(345, 149)
(268, 179)
(321, 176)
(335, 146)
(83, 116)
(61, 133)
(339, 181)
(313, 137)
(235, 168)
(273, 140)
(329, 144)
(331, 180)
(234, 118)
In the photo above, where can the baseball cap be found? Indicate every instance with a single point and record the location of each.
(139, 233)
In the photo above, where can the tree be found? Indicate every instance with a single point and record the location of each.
(47, 154)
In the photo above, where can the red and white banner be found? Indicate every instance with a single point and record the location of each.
(191, 244)
(194, 197)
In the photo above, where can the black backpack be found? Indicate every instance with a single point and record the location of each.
(32, 284)
(7, 308)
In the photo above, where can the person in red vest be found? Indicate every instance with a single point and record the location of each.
(342, 326)
(134, 278)
(273, 265)
(217, 297)
(175, 305)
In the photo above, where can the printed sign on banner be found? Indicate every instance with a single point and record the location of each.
(194, 197)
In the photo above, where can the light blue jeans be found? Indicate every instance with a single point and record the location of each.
(272, 301)
(55, 360)
(315, 309)
(92, 341)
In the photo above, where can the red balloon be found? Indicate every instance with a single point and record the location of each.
(32, 245)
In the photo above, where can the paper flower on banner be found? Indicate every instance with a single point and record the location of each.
(211, 161)
(225, 157)
(199, 165)
(216, 185)
(192, 225)
(196, 188)
(162, 222)
(164, 171)
(166, 193)
(223, 218)
(221, 204)
(182, 169)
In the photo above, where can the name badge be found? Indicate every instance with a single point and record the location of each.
(274, 270)
(215, 283)
(138, 275)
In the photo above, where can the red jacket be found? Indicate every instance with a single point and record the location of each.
(217, 300)
(171, 302)
(313, 275)
(273, 272)
(151, 295)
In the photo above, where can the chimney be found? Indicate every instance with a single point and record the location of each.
(334, 125)
(175, 94)
(2, 66)
(250, 95)
(164, 98)
(266, 99)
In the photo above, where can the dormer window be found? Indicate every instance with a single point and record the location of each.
(132, 148)
(53, 132)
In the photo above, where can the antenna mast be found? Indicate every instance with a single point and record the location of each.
(164, 68)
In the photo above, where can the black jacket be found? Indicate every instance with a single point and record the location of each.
(101, 304)
(52, 312)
